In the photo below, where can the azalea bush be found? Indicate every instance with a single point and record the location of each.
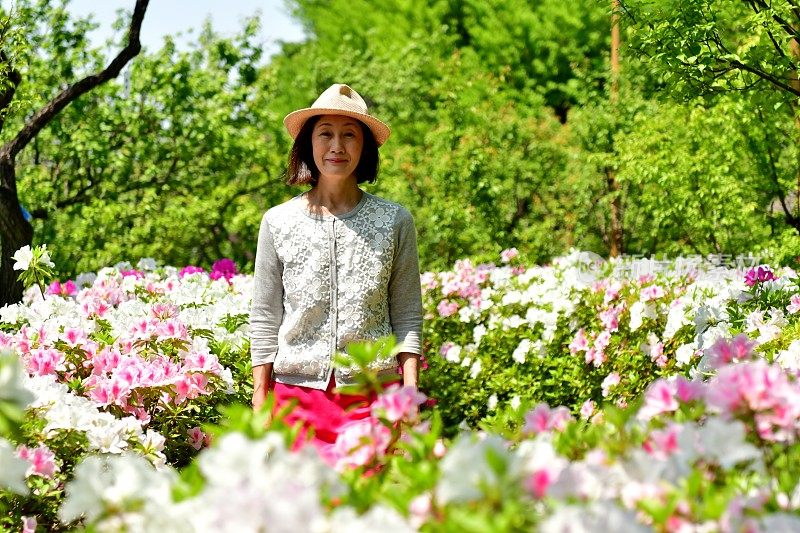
(617, 395)
(715, 454)
(127, 359)
(583, 331)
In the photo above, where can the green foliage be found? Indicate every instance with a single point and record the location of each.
(713, 46)
(505, 131)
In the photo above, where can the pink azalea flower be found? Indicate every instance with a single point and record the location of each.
(658, 398)
(662, 442)
(610, 381)
(44, 361)
(687, 391)
(41, 459)
(725, 351)
(759, 390)
(110, 391)
(541, 480)
(198, 438)
(657, 355)
(420, 510)
(172, 329)
(580, 343)
(360, 443)
(610, 317)
(202, 362)
(599, 286)
(602, 341)
(542, 419)
(596, 354)
(646, 278)
(587, 409)
(506, 256)
(164, 311)
(612, 292)
(428, 281)
(190, 386)
(398, 403)
(794, 304)
(652, 292)
(29, 524)
(74, 337)
(447, 308)
(94, 309)
(595, 357)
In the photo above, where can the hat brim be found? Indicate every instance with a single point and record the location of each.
(294, 121)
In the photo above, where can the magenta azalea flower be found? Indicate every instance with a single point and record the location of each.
(191, 269)
(758, 274)
(65, 289)
(223, 268)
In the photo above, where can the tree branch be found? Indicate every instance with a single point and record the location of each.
(68, 95)
(765, 76)
(780, 20)
(775, 43)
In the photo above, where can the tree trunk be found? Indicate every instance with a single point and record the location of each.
(15, 232)
(615, 42)
(615, 239)
(794, 46)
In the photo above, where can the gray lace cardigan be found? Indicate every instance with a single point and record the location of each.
(322, 282)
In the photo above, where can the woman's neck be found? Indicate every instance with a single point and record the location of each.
(334, 198)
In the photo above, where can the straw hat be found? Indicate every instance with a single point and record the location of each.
(338, 99)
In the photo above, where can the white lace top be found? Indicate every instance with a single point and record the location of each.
(323, 281)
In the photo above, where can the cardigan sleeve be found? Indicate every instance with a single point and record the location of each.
(266, 312)
(405, 295)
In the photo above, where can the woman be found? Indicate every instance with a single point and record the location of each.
(334, 265)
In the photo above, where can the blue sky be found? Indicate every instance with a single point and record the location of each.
(170, 17)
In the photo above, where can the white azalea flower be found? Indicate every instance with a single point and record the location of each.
(599, 517)
(453, 354)
(146, 264)
(378, 518)
(12, 387)
(521, 351)
(12, 469)
(117, 484)
(491, 404)
(790, 357)
(465, 471)
(22, 258)
(45, 258)
(477, 333)
(684, 354)
(475, 369)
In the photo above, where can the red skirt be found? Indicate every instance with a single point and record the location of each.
(323, 411)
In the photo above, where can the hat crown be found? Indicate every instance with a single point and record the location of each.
(338, 99)
(341, 96)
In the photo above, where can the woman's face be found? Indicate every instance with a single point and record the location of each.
(336, 142)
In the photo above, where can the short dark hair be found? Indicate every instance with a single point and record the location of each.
(302, 169)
